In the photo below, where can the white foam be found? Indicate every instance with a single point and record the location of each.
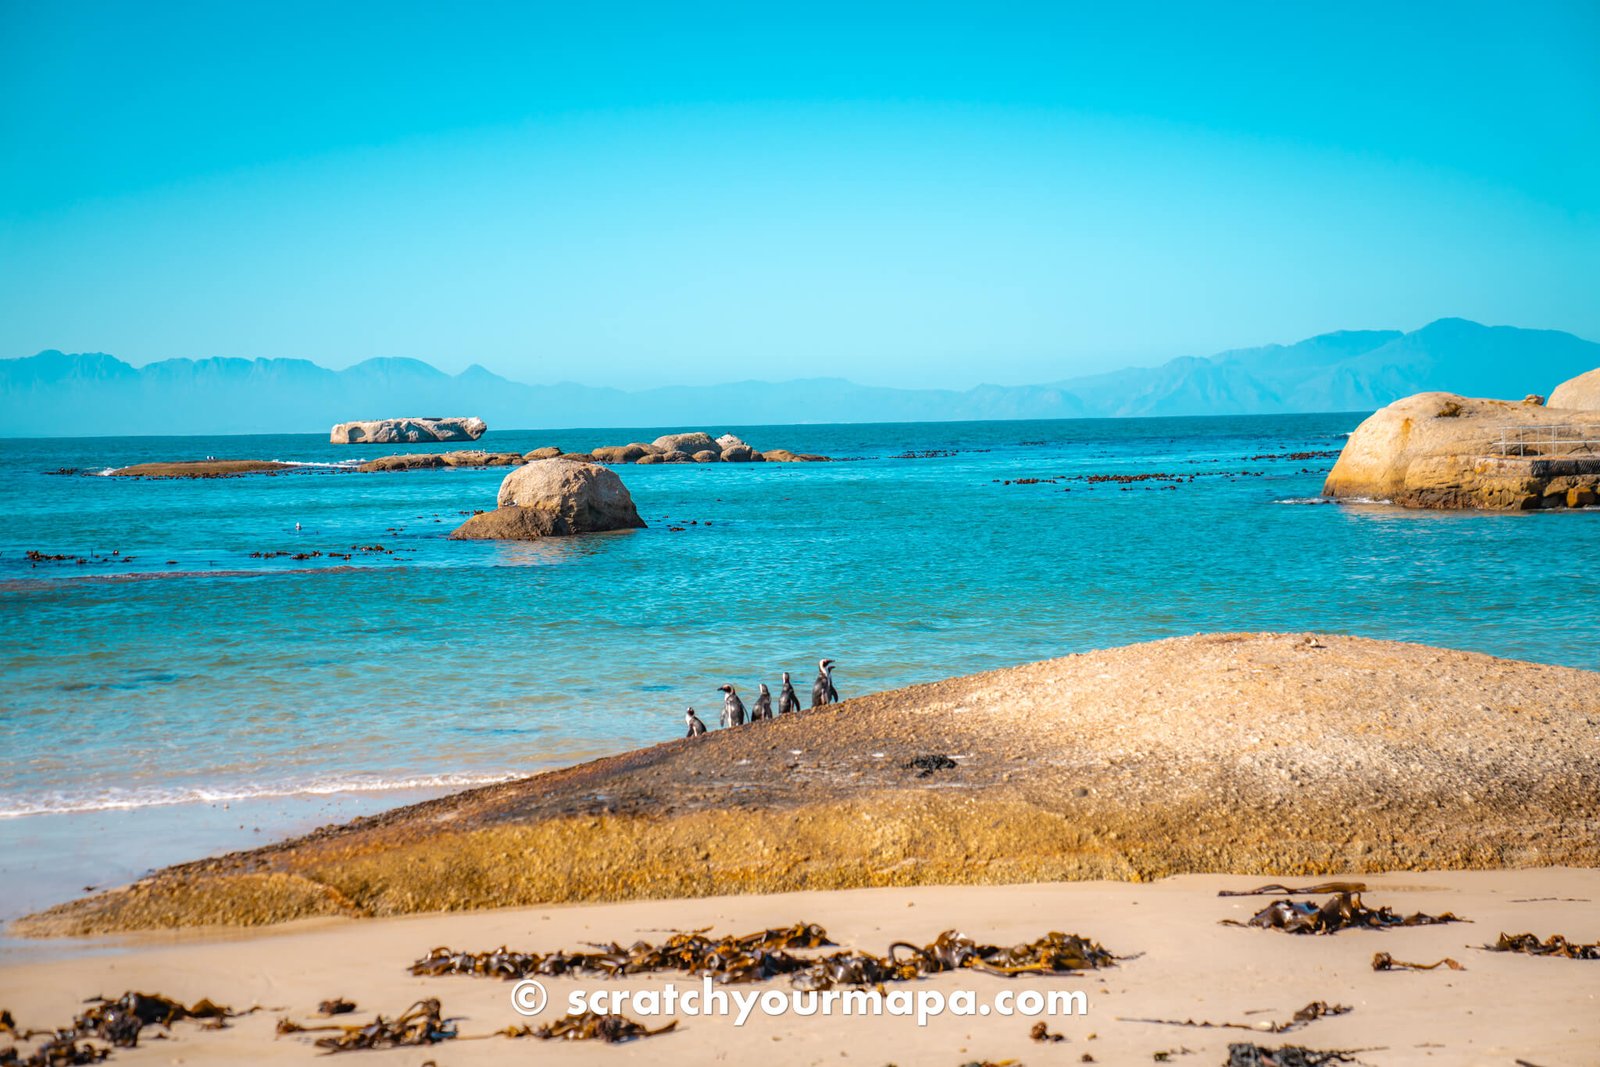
(131, 799)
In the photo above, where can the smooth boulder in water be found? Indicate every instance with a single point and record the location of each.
(554, 498)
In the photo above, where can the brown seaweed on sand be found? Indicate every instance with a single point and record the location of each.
(421, 1024)
(336, 1006)
(760, 956)
(1344, 910)
(751, 957)
(1382, 961)
(1248, 1055)
(592, 1026)
(1041, 1032)
(63, 1050)
(1276, 889)
(119, 1021)
(1317, 1009)
(1554, 945)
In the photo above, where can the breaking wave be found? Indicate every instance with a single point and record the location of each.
(131, 799)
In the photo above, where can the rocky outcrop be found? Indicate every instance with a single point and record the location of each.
(688, 447)
(632, 452)
(202, 468)
(554, 498)
(686, 442)
(428, 460)
(407, 431)
(1578, 394)
(480, 458)
(1331, 756)
(414, 461)
(1440, 450)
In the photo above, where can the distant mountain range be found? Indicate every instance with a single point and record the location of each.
(54, 394)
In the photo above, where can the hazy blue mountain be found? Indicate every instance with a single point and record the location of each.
(1350, 370)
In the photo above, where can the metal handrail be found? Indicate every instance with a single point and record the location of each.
(1555, 437)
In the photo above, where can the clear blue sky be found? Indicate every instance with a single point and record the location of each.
(918, 194)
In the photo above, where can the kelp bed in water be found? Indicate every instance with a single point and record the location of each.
(760, 956)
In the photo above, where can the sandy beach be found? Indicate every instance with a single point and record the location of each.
(1178, 963)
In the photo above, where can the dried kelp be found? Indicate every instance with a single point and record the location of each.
(764, 955)
(1248, 1055)
(1382, 961)
(119, 1021)
(1554, 945)
(421, 1024)
(592, 1026)
(752, 957)
(8, 1025)
(1344, 910)
(1275, 889)
(1317, 1009)
(1041, 1032)
(63, 1050)
(336, 1006)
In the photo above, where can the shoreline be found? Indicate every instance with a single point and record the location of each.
(1177, 963)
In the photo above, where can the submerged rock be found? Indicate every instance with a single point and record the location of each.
(554, 498)
(1441, 450)
(394, 431)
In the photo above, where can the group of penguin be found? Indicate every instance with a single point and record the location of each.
(733, 711)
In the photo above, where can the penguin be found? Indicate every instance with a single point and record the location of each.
(696, 727)
(763, 708)
(822, 690)
(732, 707)
(787, 701)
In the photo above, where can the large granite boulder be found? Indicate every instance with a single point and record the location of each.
(554, 498)
(547, 452)
(1577, 394)
(687, 443)
(407, 431)
(1440, 450)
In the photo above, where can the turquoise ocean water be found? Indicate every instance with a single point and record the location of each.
(199, 696)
